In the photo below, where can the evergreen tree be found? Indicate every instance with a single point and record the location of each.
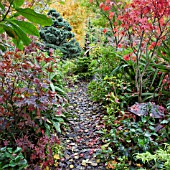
(59, 36)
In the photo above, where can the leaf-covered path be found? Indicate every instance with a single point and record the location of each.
(81, 139)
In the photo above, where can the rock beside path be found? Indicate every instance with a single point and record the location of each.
(81, 139)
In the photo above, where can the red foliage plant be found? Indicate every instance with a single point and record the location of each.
(140, 25)
(26, 102)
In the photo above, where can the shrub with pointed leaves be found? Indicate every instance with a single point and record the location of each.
(30, 112)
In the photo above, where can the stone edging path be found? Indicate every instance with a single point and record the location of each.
(81, 139)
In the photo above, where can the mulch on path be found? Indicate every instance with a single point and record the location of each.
(81, 139)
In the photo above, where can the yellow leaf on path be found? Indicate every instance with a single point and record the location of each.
(71, 166)
(138, 165)
(56, 156)
(84, 162)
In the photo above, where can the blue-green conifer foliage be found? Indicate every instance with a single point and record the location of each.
(59, 36)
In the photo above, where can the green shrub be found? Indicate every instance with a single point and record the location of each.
(159, 160)
(59, 36)
(12, 159)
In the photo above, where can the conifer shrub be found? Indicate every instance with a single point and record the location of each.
(59, 36)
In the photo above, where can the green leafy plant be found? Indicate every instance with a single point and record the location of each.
(82, 67)
(59, 36)
(124, 137)
(159, 160)
(12, 159)
(11, 22)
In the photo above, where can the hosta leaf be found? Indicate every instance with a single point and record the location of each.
(27, 27)
(9, 150)
(34, 17)
(5, 166)
(147, 134)
(17, 158)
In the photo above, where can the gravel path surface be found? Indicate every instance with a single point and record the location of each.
(81, 139)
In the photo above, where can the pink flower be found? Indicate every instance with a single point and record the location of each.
(111, 14)
(119, 45)
(105, 30)
(106, 8)
(107, 1)
(126, 57)
(101, 5)
(153, 44)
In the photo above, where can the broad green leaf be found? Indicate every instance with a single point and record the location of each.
(1, 30)
(52, 87)
(9, 30)
(103, 147)
(3, 149)
(62, 2)
(34, 17)
(147, 134)
(2, 47)
(19, 44)
(164, 122)
(5, 166)
(18, 3)
(9, 150)
(1, 6)
(18, 158)
(27, 27)
(60, 90)
(57, 126)
(18, 149)
(21, 34)
(10, 1)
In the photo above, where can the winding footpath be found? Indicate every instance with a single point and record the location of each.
(81, 140)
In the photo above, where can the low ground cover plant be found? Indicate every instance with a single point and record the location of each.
(159, 160)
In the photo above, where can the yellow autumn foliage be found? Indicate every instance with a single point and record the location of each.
(75, 14)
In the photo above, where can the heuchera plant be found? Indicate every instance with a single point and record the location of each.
(141, 26)
(27, 104)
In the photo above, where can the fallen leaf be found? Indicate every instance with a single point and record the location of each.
(71, 166)
(57, 156)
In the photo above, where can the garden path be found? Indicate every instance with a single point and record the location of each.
(81, 139)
